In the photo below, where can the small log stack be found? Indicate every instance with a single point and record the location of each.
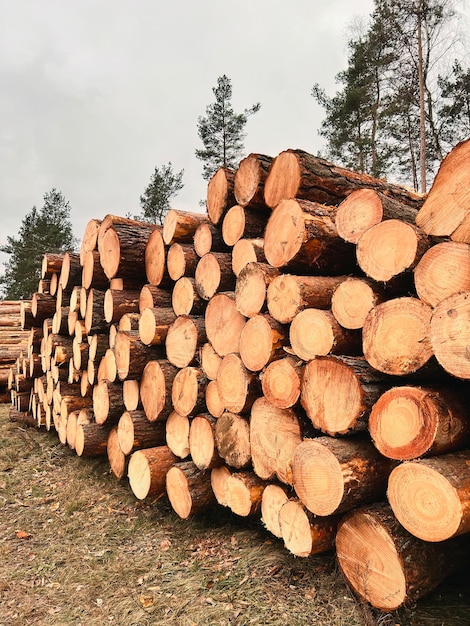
(299, 354)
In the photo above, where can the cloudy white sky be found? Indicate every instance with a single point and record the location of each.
(95, 93)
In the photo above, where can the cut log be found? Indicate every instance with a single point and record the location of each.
(301, 236)
(132, 355)
(314, 332)
(51, 264)
(450, 334)
(188, 392)
(396, 336)
(147, 471)
(241, 222)
(303, 533)
(181, 260)
(202, 442)
(273, 498)
(119, 302)
(108, 405)
(155, 260)
(135, 431)
(185, 299)
(280, 382)
(386, 565)
(118, 461)
(189, 490)
(244, 491)
(70, 272)
(250, 179)
(220, 194)
(336, 475)
(91, 439)
(27, 318)
(152, 296)
(208, 238)
(131, 394)
(297, 174)
(60, 321)
(209, 360)
(81, 350)
(214, 273)
(232, 438)
(247, 251)
(219, 477)
(238, 388)
(107, 369)
(353, 299)
(177, 434)
(274, 435)
(180, 226)
(95, 321)
(262, 340)
(214, 402)
(224, 323)
(448, 201)
(251, 287)
(338, 393)
(287, 295)
(154, 324)
(431, 497)
(364, 208)
(155, 389)
(443, 271)
(390, 248)
(129, 323)
(43, 306)
(409, 422)
(183, 339)
(89, 239)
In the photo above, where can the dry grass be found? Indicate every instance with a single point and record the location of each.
(76, 547)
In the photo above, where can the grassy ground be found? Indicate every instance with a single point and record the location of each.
(76, 547)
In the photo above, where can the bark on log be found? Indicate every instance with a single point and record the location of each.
(119, 302)
(132, 355)
(185, 299)
(303, 533)
(336, 475)
(51, 264)
(224, 323)
(181, 260)
(219, 477)
(180, 226)
(108, 405)
(43, 306)
(353, 299)
(250, 179)
(214, 273)
(188, 392)
(189, 490)
(177, 434)
(184, 337)
(241, 222)
(155, 389)
(118, 461)
(154, 324)
(147, 471)
(251, 288)
(238, 388)
(247, 251)
(220, 194)
(280, 382)
(244, 491)
(91, 439)
(232, 438)
(208, 238)
(152, 296)
(262, 340)
(70, 272)
(135, 431)
(89, 239)
(202, 442)
(273, 498)
(95, 321)
(431, 497)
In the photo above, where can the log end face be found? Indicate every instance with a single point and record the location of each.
(283, 180)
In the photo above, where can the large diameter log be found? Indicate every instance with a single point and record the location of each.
(51, 264)
(274, 435)
(450, 334)
(241, 222)
(202, 442)
(297, 174)
(336, 475)
(224, 323)
(220, 194)
(189, 489)
(232, 438)
(247, 251)
(302, 237)
(184, 337)
(214, 273)
(118, 461)
(155, 260)
(250, 179)
(180, 226)
(154, 324)
(443, 270)
(386, 565)
(251, 288)
(132, 355)
(185, 299)
(314, 332)
(119, 302)
(108, 405)
(43, 305)
(177, 434)
(287, 295)
(208, 238)
(135, 431)
(390, 248)
(352, 300)
(364, 208)
(303, 533)
(409, 422)
(273, 498)
(188, 391)
(262, 340)
(152, 296)
(280, 382)
(93, 273)
(155, 389)
(338, 393)
(147, 471)
(431, 497)
(447, 203)
(244, 491)
(181, 260)
(238, 388)
(91, 439)
(396, 336)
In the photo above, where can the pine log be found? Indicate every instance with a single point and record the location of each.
(95, 321)
(202, 442)
(25, 418)
(273, 498)
(431, 497)
(180, 226)
(297, 174)
(232, 438)
(262, 340)
(385, 564)
(250, 179)
(189, 490)
(443, 270)
(220, 194)
(152, 296)
(314, 332)
(131, 394)
(214, 273)
(447, 203)
(280, 382)
(287, 295)
(154, 324)
(70, 272)
(224, 323)
(244, 491)
(118, 462)
(185, 299)
(51, 264)
(27, 318)
(353, 299)
(208, 238)
(183, 339)
(238, 388)
(108, 405)
(219, 477)
(364, 208)
(60, 321)
(132, 355)
(93, 273)
(43, 306)
(119, 302)
(241, 222)
(251, 287)
(91, 439)
(71, 429)
(44, 285)
(89, 239)
(188, 392)
(336, 475)
(301, 236)
(107, 369)
(209, 360)
(155, 389)
(390, 248)
(303, 533)
(338, 393)
(128, 323)
(274, 435)
(135, 431)
(247, 251)
(450, 334)
(214, 402)
(409, 422)
(155, 260)
(98, 346)
(177, 434)
(396, 336)
(147, 471)
(181, 260)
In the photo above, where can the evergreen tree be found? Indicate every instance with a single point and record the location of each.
(45, 230)
(155, 201)
(222, 130)
(454, 111)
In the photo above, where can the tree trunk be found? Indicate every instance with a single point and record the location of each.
(95, 321)
(185, 299)
(181, 260)
(154, 324)
(241, 222)
(238, 388)
(180, 226)
(188, 391)
(108, 405)
(177, 434)
(280, 382)
(353, 299)
(244, 491)
(43, 306)
(91, 439)
(51, 264)
(214, 273)
(251, 287)
(232, 438)
(189, 490)
(247, 251)
(262, 340)
(220, 194)
(118, 303)
(224, 323)
(135, 431)
(147, 471)
(450, 334)
(183, 339)
(155, 389)
(70, 272)
(152, 296)
(250, 179)
(303, 533)
(131, 394)
(202, 442)
(132, 355)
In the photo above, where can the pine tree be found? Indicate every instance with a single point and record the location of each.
(163, 186)
(222, 130)
(45, 230)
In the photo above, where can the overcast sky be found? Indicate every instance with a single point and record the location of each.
(95, 93)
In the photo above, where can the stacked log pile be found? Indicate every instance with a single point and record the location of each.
(300, 353)
(13, 345)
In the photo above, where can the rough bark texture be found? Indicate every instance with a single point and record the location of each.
(250, 179)
(189, 490)
(220, 194)
(148, 469)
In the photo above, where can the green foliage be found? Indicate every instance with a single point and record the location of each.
(222, 130)
(45, 230)
(155, 201)
(455, 107)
